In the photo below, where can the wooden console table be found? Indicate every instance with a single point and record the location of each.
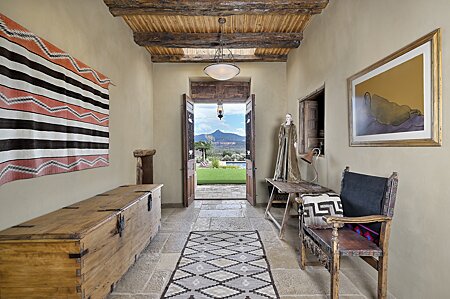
(302, 187)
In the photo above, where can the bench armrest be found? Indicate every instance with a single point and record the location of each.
(362, 219)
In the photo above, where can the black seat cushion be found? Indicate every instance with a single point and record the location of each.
(363, 195)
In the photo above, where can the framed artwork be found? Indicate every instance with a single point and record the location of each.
(397, 101)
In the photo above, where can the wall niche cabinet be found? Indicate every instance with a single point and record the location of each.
(312, 122)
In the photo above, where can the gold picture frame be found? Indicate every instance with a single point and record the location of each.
(398, 100)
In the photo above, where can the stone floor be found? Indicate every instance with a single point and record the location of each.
(220, 191)
(148, 277)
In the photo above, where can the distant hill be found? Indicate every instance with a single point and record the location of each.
(219, 136)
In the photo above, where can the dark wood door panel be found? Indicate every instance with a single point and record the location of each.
(250, 149)
(188, 151)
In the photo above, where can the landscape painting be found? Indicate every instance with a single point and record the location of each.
(396, 102)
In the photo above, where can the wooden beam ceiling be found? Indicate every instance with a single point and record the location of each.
(209, 59)
(215, 7)
(188, 31)
(211, 40)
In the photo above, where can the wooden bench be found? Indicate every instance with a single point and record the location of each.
(81, 250)
(366, 200)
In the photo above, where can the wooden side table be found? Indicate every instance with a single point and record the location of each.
(292, 189)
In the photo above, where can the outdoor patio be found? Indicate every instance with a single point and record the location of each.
(220, 191)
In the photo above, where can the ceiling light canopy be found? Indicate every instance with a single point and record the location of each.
(221, 70)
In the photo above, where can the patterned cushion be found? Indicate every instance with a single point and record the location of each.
(315, 206)
(365, 231)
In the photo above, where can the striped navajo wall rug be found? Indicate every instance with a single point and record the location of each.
(222, 264)
(54, 110)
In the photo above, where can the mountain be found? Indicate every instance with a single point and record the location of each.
(219, 136)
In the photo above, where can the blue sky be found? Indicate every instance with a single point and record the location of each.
(206, 120)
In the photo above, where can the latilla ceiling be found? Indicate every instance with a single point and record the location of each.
(188, 31)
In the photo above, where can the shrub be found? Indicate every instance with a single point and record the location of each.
(215, 163)
(230, 167)
(237, 157)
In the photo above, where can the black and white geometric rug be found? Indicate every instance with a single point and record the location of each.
(222, 264)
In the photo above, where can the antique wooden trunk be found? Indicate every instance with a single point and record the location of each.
(82, 250)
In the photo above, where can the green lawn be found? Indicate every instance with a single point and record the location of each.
(220, 176)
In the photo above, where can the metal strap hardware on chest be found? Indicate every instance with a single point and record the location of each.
(108, 210)
(149, 202)
(78, 255)
(120, 224)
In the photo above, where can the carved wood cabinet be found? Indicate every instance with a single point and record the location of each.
(82, 250)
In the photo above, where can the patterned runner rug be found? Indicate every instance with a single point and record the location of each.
(222, 264)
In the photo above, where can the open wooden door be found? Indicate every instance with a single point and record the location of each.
(250, 149)
(309, 126)
(188, 151)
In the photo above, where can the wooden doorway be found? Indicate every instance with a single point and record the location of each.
(250, 149)
(209, 92)
(188, 151)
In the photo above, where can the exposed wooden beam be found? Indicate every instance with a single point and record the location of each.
(209, 59)
(214, 7)
(212, 91)
(210, 40)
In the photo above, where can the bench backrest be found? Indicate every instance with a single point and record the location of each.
(363, 195)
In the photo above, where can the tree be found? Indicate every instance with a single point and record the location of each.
(203, 147)
(226, 153)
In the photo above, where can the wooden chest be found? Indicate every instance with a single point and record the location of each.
(82, 250)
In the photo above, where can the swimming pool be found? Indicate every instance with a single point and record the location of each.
(241, 164)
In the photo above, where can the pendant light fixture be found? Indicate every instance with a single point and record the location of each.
(220, 109)
(221, 70)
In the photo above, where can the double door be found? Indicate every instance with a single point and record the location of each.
(189, 150)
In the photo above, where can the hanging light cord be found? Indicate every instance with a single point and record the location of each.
(219, 57)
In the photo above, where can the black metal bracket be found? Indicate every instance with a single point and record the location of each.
(78, 255)
(120, 224)
(109, 210)
(149, 202)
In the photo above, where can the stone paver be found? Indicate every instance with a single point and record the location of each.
(148, 277)
(220, 191)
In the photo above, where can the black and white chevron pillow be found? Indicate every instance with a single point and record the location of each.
(315, 206)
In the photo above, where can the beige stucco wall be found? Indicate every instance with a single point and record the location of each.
(268, 83)
(87, 30)
(349, 36)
